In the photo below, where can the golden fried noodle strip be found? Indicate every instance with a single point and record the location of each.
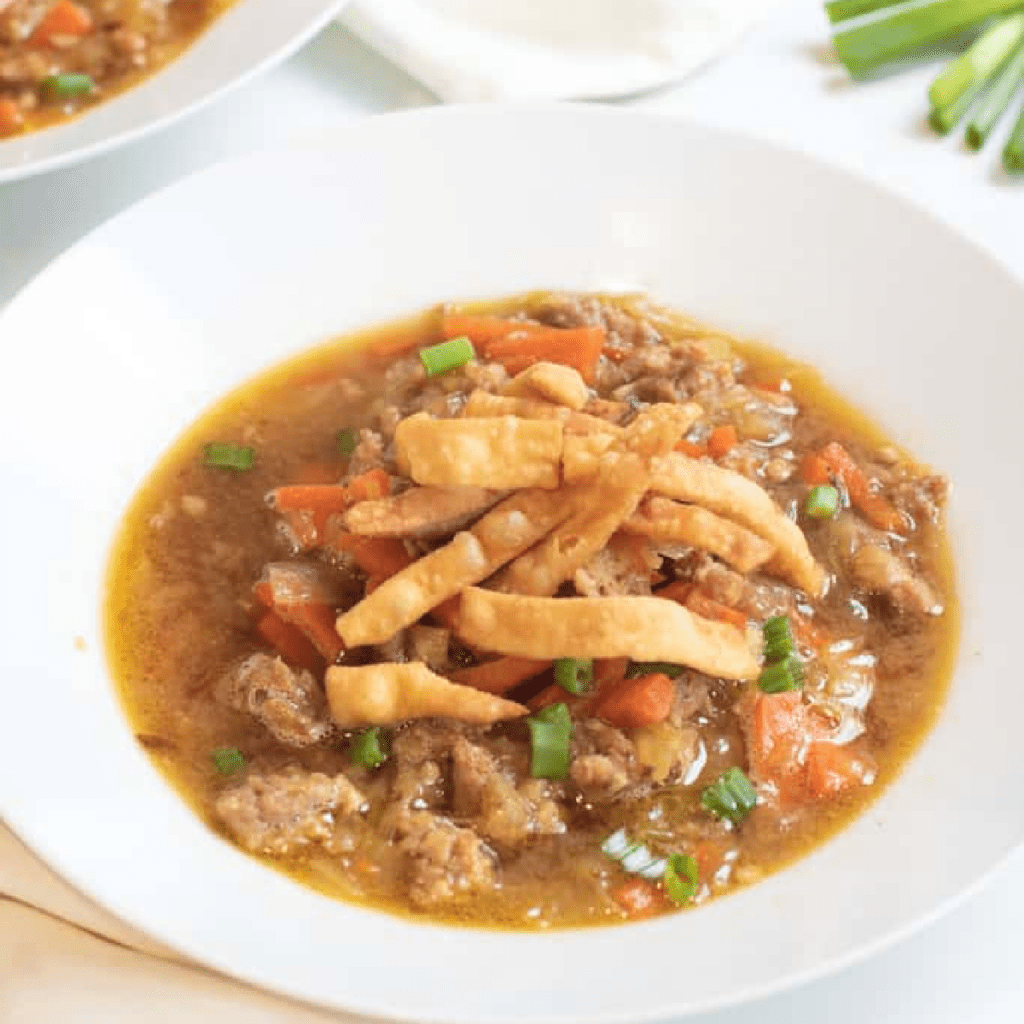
(669, 521)
(501, 535)
(741, 500)
(483, 405)
(554, 382)
(387, 694)
(642, 628)
(421, 512)
(499, 452)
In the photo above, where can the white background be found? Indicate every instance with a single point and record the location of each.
(780, 85)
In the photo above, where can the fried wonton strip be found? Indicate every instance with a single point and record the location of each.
(598, 509)
(501, 535)
(500, 452)
(482, 404)
(387, 694)
(563, 385)
(641, 628)
(410, 594)
(664, 520)
(741, 500)
(421, 512)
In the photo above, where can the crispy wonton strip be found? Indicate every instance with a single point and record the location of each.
(482, 404)
(664, 520)
(641, 628)
(563, 385)
(421, 512)
(386, 694)
(503, 534)
(500, 452)
(741, 500)
(598, 509)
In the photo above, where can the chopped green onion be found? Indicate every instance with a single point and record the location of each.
(225, 455)
(1013, 154)
(777, 634)
(633, 857)
(66, 86)
(574, 674)
(678, 890)
(229, 760)
(731, 796)
(995, 102)
(368, 749)
(650, 668)
(448, 355)
(345, 441)
(976, 65)
(945, 119)
(822, 502)
(864, 48)
(780, 677)
(844, 10)
(550, 735)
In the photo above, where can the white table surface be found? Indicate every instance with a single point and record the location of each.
(964, 969)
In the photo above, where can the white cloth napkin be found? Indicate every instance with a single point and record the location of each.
(483, 50)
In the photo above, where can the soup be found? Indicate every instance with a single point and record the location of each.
(553, 611)
(59, 57)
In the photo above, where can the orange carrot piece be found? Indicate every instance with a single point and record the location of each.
(703, 606)
(316, 621)
(676, 591)
(578, 347)
(832, 769)
(319, 473)
(63, 20)
(814, 470)
(553, 694)
(264, 593)
(646, 700)
(875, 508)
(289, 642)
(807, 632)
(374, 483)
(722, 440)
(10, 117)
(775, 740)
(709, 855)
(609, 672)
(501, 675)
(447, 613)
(777, 385)
(484, 329)
(690, 448)
(380, 557)
(638, 897)
(326, 498)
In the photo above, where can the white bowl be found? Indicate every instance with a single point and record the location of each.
(247, 39)
(126, 338)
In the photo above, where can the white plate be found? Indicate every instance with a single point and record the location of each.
(121, 343)
(246, 40)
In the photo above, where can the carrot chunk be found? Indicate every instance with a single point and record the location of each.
(63, 20)
(722, 440)
(875, 508)
(10, 117)
(814, 470)
(289, 642)
(501, 675)
(703, 606)
(316, 622)
(646, 700)
(832, 769)
(639, 898)
(690, 448)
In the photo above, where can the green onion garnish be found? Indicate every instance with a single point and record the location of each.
(731, 796)
(345, 441)
(650, 668)
(66, 86)
(368, 749)
(633, 857)
(777, 634)
(682, 878)
(225, 455)
(1013, 154)
(863, 48)
(976, 65)
(844, 10)
(574, 674)
(995, 102)
(550, 734)
(229, 760)
(822, 502)
(448, 355)
(780, 677)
